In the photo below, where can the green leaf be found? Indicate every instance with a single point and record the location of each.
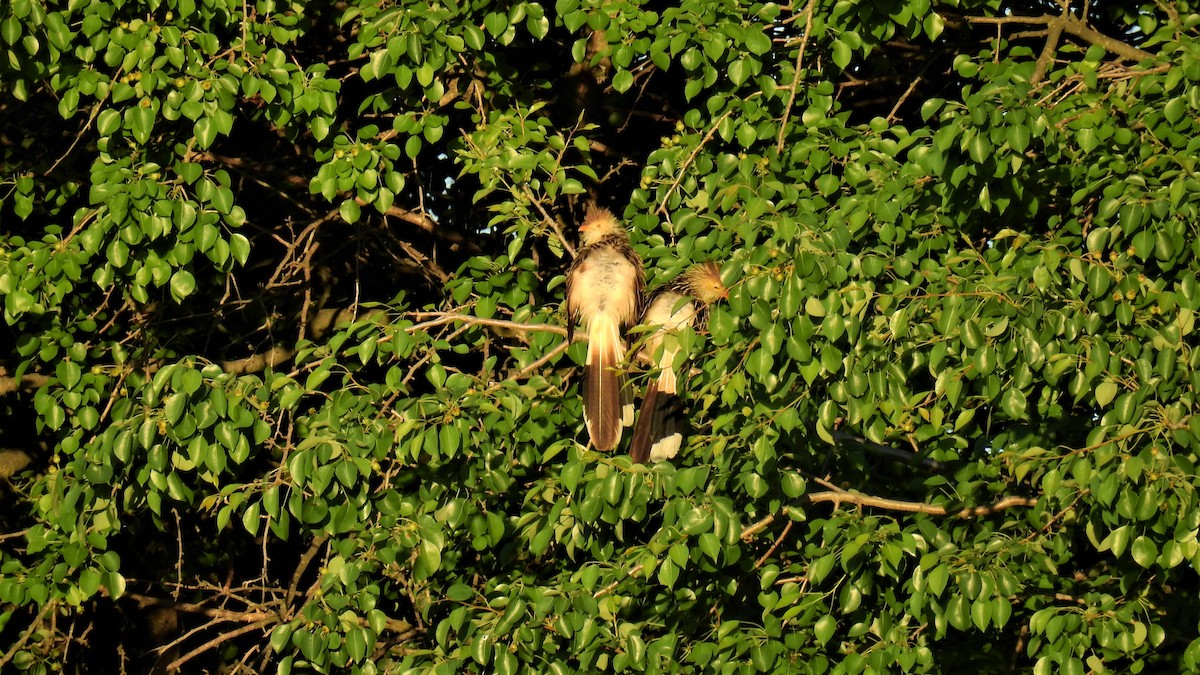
(757, 42)
(842, 54)
(239, 246)
(205, 131)
(108, 122)
(981, 613)
(739, 71)
(495, 23)
(114, 583)
(473, 37)
(823, 629)
(1014, 403)
(183, 284)
(1144, 551)
(481, 649)
(622, 80)
(139, 120)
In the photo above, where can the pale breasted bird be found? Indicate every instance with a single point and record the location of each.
(682, 303)
(604, 292)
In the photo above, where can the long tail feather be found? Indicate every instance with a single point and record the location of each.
(639, 448)
(666, 378)
(627, 395)
(670, 432)
(602, 382)
(659, 430)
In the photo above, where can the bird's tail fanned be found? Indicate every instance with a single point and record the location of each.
(602, 382)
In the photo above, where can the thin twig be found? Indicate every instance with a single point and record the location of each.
(562, 239)
(99, 105)
(895, 505)
(891, 117)
(191, 608)
(609, 588)
(1071, 25)
(787, 111)
(218, 641)
(543, 360)
(442, 318)
(778, 540)
(687, 163)
(305, 560)
(37, 622)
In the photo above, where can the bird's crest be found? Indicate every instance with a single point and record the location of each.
(704, 283)
(598, 223)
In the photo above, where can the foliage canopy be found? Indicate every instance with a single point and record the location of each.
(285, 377)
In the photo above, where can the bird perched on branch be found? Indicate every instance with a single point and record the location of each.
(604, 291)
(659, 430)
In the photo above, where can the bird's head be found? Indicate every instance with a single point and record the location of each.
(597, 224)
(704, 283)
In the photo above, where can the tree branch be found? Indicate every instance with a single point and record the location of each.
(894, 505)
(1055, 27)
(787, 111)
(9, 385)
(862, 500)
(687, 163)
(1080, 29)
(562, 239)
(305, 560)
(211, 612)
(892, 453)
(256, 363)
(216, 642)
(37, 622)
(442, 318)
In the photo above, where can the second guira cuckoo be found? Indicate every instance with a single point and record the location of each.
(682, 303)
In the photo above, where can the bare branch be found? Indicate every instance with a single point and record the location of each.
(562, 239)
(687, 163)
(862, 500)
(787, 111)
(323, 320)
(543, 360)
(890, 452)
(37, 622)
(895, 505)
(9, 385)
(305, 560)
(442, 318)
(258, 362)
(1056, 25)
(251, 616)
(778, 540)
(216, 642)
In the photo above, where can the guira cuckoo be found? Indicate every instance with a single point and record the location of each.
(604, 291)
(659, 430)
